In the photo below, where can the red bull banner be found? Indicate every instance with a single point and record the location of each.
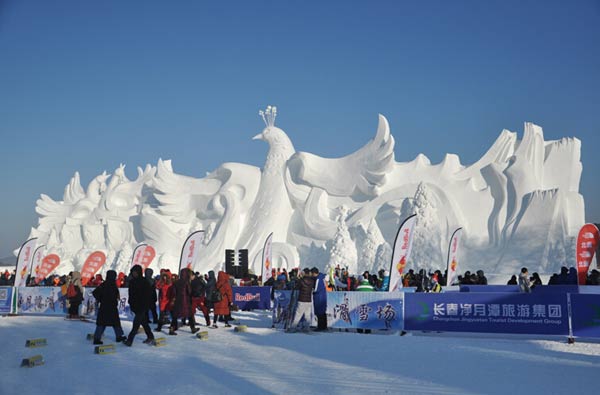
(92, 264)
(587, 243)
(143, 256)
(36, 262)
(49, 263)
(402, 247)
(267, 260)
(453, 256)
(23, 262)
(191, 250)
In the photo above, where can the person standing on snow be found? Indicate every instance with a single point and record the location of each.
(223, 306)
(305, 287)
(181, 301)
(320, 299)
(140, 298)
(107, 294)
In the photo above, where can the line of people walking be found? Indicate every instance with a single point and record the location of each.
(177, 299)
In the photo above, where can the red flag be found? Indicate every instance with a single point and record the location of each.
(143, 256)
(92, 264)
(587, 243)
(49, 263)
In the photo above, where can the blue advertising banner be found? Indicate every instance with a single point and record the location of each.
(487, 313)
(282, 311)
(248, 298)
(41, 300)
(365, 310)
(89, 307)
(6, 294)
(585, 315)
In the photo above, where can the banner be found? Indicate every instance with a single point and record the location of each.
(36, 262)
(49, 263)
(89, 307)
(41, 300)
(365, 310)
(191, 247)
(525, 313)
(267, 260)
(283, 312)
(92, 264)
(23, 262)
(143, 256)
(402, 247)
(247, 298)
(452, 265)
(585, 315)
(6, 294)
(587, 243)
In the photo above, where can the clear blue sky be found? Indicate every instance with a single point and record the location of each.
(85, 85)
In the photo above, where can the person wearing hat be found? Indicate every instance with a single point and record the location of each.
(107, 295)
(140, 298)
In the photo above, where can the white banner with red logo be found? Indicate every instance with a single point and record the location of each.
(23, 261)
(36, 262)
(587, 243)
(402, 247)
(191, 250)
(49, 263)
(92, 264)
(453, 256)
(267, 260)
(143, 256)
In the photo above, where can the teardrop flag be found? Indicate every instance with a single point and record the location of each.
(92, 264)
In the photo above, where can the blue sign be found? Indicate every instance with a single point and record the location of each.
(487, 313)
(41, 300)
(283, 313)
(365, 310)
(6, 294)
(247, 298)
(585, 315)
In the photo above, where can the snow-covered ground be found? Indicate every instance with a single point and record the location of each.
(263, 360)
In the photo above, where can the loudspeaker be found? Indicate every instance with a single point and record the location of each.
(229, 262)
(243, 264)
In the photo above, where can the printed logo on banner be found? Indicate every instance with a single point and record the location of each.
(41, 300)
(365, 310)
(493, 313)
(247, 297)
(3, 294)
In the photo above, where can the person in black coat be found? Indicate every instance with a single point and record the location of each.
(107, 295)
(140, 299)
(148, 273)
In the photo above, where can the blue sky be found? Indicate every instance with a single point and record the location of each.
(85, 85)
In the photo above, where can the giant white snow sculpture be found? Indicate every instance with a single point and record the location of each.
(519, 205)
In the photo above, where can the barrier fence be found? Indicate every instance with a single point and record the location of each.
(538, 313)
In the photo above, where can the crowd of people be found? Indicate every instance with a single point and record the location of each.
(178, 299)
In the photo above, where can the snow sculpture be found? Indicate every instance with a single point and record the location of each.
(519, 205)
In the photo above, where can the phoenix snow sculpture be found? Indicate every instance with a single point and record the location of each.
(518, 205)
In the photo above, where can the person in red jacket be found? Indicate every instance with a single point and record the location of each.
(163, 286)
(222, 307)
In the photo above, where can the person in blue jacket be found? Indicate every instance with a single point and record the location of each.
(320, 299)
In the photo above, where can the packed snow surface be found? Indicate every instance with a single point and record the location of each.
(265, 361)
